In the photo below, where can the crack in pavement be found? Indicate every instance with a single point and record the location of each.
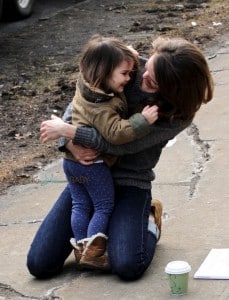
(203, 157)
(202, 146)
(21, 222)
(8, 291)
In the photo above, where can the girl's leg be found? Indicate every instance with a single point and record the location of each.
(51, 246)
(131, 245)
(81, 211)
(81, 201)
(101, 189)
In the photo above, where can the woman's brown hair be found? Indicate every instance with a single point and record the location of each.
(101, 56)
(183, 77)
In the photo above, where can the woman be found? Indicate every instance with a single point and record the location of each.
(177, 79)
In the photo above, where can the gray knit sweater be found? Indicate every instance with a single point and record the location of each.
(137, 158)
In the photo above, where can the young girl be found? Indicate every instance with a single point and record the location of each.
(105, 68)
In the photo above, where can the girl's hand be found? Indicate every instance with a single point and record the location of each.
(150, 113)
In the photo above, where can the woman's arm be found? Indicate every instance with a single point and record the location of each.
(67, 117)
(55, 128)
(90, 137)
(159, 133)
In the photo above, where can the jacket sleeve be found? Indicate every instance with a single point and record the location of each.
(115, 129)
(159, 133)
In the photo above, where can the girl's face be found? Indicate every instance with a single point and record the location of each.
(149, 83)
(120, 76)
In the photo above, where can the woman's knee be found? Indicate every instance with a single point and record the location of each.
(33, 266)
(128, 271)
(41, 269)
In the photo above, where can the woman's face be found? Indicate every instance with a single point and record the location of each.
(149, 83)
(120, 76)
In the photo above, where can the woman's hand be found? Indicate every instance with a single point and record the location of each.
(85, 156)
(55, 128)
(135, 52)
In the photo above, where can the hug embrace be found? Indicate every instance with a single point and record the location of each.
(125, 110)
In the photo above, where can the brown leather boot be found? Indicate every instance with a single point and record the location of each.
(94, 255)
(78, 248)
(156, 211)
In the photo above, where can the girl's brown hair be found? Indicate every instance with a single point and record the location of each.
(101, 56)
(183, 77)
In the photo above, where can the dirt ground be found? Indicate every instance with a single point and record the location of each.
(38, 66)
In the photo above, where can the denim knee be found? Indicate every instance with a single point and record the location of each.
(40, 271)
(128, 270)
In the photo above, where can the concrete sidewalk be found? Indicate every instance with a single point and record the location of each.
(195, 195)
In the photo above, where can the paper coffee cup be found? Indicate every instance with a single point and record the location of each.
(178, 273)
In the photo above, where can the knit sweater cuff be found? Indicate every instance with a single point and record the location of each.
(83, 135)
(139, 124)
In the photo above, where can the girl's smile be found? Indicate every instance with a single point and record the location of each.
(120, 76)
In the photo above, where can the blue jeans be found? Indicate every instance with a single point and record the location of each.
(92, 192)
(131, 245)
